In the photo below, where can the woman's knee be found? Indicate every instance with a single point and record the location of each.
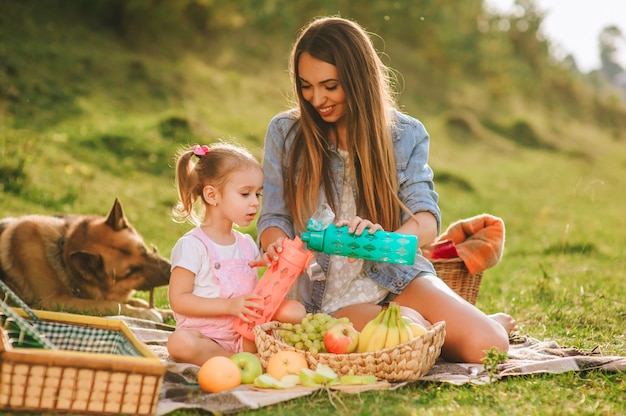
(473, 345)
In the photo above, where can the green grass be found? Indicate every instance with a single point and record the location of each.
(97, 118)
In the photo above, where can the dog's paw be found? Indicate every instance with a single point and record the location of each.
(137, 302)
(142, 313)
(166, 314)
(152, 315)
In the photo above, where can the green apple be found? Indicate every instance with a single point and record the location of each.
(325, 375)
(357, 380)
(249, 366)
(265, 381)
(290, 380)
(307, 378)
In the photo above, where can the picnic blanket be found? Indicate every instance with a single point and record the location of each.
(478, 240)
(526, 356)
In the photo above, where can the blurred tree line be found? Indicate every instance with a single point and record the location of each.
(447, 44)
(447, 39)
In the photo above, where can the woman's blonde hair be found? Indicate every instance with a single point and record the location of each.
(366, 82)
(201, 166)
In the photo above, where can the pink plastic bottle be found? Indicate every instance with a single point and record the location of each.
(276, 282)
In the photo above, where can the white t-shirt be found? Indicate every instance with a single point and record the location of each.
(190, 253)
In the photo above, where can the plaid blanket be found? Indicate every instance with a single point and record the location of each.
(526, 356)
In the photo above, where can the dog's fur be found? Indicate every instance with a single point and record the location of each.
(81, 264)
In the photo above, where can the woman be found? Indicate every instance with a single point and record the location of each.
(347, 145)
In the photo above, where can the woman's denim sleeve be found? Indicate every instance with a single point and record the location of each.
(274, 212)
(415, 177)
(417, 192)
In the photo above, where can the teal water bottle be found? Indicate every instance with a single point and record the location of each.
(381, 246)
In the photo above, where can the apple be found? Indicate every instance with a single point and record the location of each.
(326, 375)
(249, 366)
(307, 378)
(341, 338)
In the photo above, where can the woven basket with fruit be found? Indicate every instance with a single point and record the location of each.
(389, 347)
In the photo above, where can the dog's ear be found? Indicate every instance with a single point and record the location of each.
(116, 218)
(90, 266)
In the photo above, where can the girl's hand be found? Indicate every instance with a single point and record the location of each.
(358, 225)
(246, 305)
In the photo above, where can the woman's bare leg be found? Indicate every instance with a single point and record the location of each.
(469, 331)
(359, 314)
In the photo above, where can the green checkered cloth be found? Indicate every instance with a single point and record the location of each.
(57, 335)
(86, 339)
(19, 329)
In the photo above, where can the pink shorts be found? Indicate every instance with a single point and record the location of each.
(219, 329)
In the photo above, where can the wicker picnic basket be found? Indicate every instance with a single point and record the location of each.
(454, 272)
(404, 362)
(74, 364)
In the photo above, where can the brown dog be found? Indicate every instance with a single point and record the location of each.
(80, 264)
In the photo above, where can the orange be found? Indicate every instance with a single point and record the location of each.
(284, 363)
(218, 373)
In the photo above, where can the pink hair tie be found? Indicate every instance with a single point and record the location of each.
(200, 151)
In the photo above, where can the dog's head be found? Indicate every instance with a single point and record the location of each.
(111, 259)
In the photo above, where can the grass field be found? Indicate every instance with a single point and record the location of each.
(115, 116)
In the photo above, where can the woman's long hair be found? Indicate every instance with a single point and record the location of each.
(369, 104)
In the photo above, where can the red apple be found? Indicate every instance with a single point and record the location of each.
(341, 338)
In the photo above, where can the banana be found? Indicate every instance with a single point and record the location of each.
(393, 334)
(377, 340)
(368, 330)
(405, 332)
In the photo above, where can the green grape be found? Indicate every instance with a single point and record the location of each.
(308, 335)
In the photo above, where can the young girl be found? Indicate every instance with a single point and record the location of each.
(213, 272)
(347, 144)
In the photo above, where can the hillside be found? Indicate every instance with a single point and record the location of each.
(96, 97)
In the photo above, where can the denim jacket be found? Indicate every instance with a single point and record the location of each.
(416, 191)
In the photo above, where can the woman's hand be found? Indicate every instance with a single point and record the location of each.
(273, 250)
(270, 255)
(245, 306)
(358, 225)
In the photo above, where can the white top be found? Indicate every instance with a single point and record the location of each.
(346, 284)
(190, 253)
